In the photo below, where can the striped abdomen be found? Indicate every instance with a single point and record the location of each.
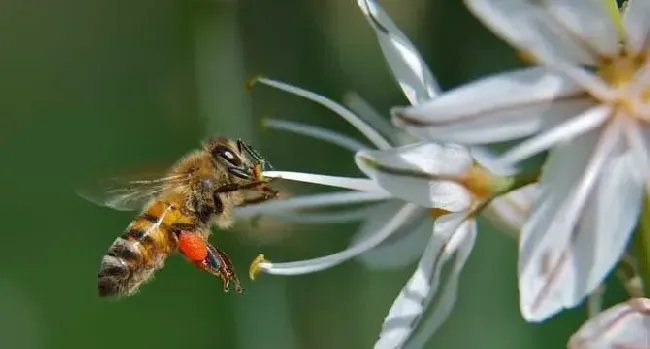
(140, 251)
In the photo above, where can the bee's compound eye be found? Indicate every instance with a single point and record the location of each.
(226, 154)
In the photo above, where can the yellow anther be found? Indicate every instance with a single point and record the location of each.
(255, 268)
(437, 212)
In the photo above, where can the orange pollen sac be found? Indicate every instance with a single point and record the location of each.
(192, 246)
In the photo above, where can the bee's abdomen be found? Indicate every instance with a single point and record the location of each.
(135, 256)
(117, 268)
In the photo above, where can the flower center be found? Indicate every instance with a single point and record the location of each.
(622, 74)
(479, 181)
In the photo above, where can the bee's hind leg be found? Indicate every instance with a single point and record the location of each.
(218, 263)
(209, 258)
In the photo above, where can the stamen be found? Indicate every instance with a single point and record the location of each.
(372, 135)
(316, 132)
(317, 264)
(359, 184)
(255, 269)
(347, 216)
(309, 201)
(366, 112)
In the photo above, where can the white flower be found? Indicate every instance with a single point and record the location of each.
(403, 219)
(425, 180)
(626, 325)
(587, 102)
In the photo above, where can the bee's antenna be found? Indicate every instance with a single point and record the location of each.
(255, 154)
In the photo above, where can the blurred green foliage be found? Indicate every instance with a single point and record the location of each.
(88, 88)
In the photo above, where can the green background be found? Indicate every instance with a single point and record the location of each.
(92, 87)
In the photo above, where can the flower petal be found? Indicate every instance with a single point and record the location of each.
(413, 173)
(425, 157)
(506, 90)
(498, 108)
(637, 26)
(530, 27)
(580, 225)
(501, 125)
(391, 224)
(626, 325)
(404, 60)
(403, 248)
(451, 236)
(587, 20)
(639, 139)
(447, 300)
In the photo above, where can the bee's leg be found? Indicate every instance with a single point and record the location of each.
(218, 263)
(235, 187)
(207, 257)
(258, 199)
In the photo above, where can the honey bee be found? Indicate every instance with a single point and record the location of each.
(199, 190)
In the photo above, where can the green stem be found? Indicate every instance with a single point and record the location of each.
(523, 179)
(642, 245)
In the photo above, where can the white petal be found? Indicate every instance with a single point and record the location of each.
(391, 224)
(626, 325)
(501, 124)
(638, 137)
(543, 243)
(586, 20)
(580, 225)
(447, 300)
(506, 90)
(637, 26)
(511, 210)
(372, 135)
(450, 235)
(566, 131)
(406, 64)
(528, 26)
(501, 107)
(403, 248)
(411, 173)
(308, 201)
(317, 132)
(425, 157)
(359, 184)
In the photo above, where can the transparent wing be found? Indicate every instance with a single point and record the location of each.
(128, 193)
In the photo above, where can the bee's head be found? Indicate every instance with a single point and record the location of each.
(238, 156)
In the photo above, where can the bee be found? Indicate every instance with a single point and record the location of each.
(180, 207)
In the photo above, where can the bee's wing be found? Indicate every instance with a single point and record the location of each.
(128, 193)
